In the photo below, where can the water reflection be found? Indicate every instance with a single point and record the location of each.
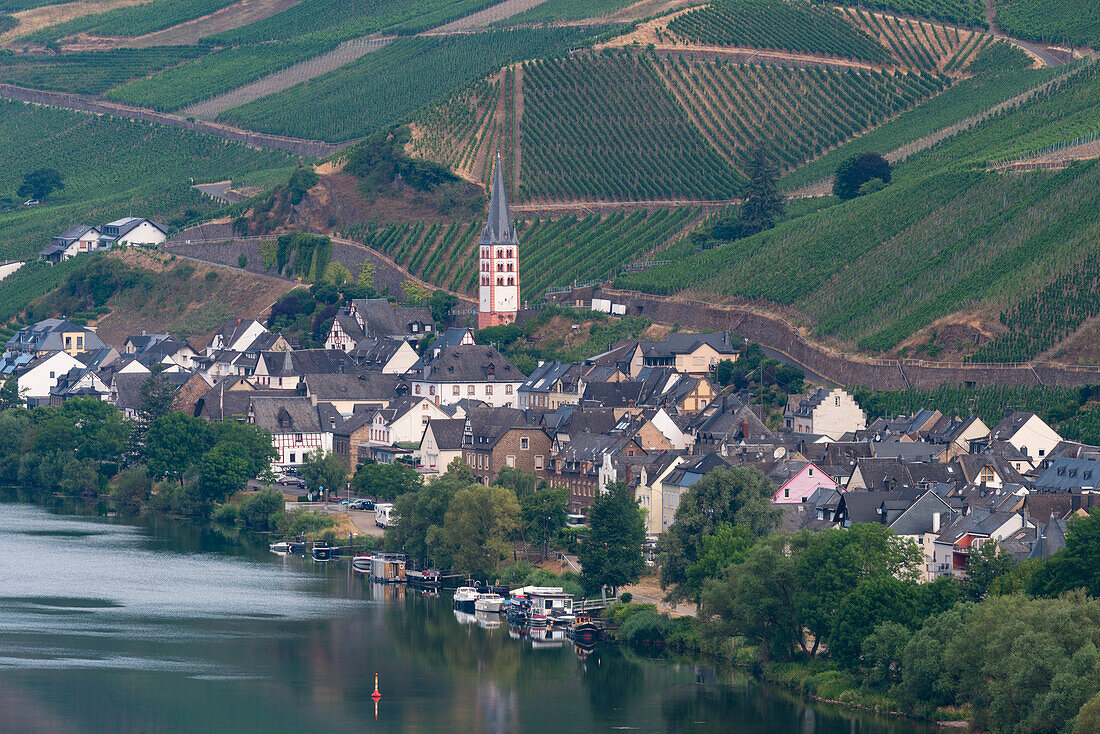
(165, 627)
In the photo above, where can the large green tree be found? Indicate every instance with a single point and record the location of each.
(250, 442)
(222, 472)
(477, 527)
(611, 554)
(763, 202)
(857, 171)
(385, 482)
(1077, 566)
(174, 443)
(544, 515)
(733, 496)
(157, 394)
(323, 470)
(422, 513)
(40, 183)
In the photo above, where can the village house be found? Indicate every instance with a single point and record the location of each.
(54, 335)
(798, 480)
(294, 425)
(829, 412)
(1028, 433)
(440, 445)
(77, 239)
(478, 372)
(494, 438)
(39, 377)
(133, 231)
(377, 318)
(585, 465)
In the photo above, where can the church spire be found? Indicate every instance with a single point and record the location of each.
(499, 229)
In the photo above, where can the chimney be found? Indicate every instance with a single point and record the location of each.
(935, 522)
(744, 429)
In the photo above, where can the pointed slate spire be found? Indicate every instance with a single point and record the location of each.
(499, 229)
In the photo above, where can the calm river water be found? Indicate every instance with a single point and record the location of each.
(164, 627)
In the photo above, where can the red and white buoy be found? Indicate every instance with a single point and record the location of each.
(376, 695)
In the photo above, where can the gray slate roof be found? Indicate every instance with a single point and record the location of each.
(499, 228)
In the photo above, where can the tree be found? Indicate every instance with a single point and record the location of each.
(260, 510)
(543, 514)
(157, 394)
(174, 443)
(441, 303)
(40, 183)
(323, 470)
(385, 481)
(755, 599)
(416, 294)
(132, 489)
(9, 394)
(734, 496)
(728, 545)
(419, 531)
(987, 564)
(858, 170)
(833, 562)
(522, 483)
(222, 473)
(477, 527)
(1077, 566)
(250, 442)
(611, 554)
(763, 203)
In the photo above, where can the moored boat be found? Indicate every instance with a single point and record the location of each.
(465, 597)
(489, 603)
(322, 551)
(362, 562)
(430, 579)
(282, 547)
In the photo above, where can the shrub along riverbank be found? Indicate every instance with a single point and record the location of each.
(841, 615)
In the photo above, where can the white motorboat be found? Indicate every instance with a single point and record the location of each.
(361, 563)
(491, 603)
(282, 547)
(465, 597)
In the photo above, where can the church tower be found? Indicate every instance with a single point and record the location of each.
(498, 268)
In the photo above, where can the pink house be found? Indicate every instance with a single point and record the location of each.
(798, 480)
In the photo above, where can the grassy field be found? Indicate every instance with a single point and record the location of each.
(390, 85)
(1063, 21)
(947, 234)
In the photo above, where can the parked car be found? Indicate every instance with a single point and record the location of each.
(361, 505)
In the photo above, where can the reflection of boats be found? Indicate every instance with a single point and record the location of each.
(361, 562)
(388, 567)
(430, 579)
(487, 620)
(282, 547)
(465, 617)
(518, 631)
(587, 633)
(298, 547)
(547, 637)
(464, 598)
(489, 603)
(322, 551)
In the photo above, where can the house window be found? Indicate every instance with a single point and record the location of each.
(538, 462)
(986, 474)
(416, 389)
(836, 401)
(507, 389)
(488, 389)
(786, 492)
(457, 390)
(292, 457)
(811, 471)
(469, 389)
(510, 461)
(524, 443)
(297, 438)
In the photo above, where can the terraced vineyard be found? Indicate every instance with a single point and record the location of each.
(920, 45)
(962, 12)
(1075, 22)
(456, 131)
(554, 252)
(90, 72)
(944, 235)
(797, 112)
(391, 84)
(179, 86)
(787, 26)
(586, 136)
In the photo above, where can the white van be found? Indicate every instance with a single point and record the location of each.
(383, 515)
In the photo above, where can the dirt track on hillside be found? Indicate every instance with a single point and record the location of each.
(242, 13)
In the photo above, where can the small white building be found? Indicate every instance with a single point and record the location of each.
(133, 231)
(1028, 433)
(42, 374)
(826, 412)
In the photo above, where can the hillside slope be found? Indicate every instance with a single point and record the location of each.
(948, 234)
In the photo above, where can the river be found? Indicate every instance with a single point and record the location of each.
(165, 627)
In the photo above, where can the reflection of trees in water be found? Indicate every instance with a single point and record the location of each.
(613, 680)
